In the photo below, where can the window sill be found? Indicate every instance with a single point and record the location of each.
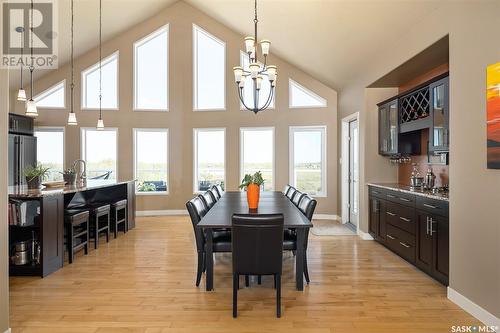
(97, 109)
(151, 193)
(208, 110)
(150, 110)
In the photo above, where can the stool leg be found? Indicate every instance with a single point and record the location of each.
(107, 230)
(87, 236)
(116, 222)
(96, 233)
(70, 242)
(125, 226)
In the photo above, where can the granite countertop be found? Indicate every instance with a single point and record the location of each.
(24, 192)
(405, 188)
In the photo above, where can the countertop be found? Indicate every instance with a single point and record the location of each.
(24, 192)
(444, 196)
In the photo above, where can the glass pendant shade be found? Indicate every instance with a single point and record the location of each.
(238, 73)
(250, 44)
(264, 46)
(31, 110)
(254, 69)
(271, 72)
(72, 119)
(100, 125)
(259, 82)
(21, 95)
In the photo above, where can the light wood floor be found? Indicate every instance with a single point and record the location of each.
(144, 282)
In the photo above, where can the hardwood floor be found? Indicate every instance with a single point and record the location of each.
(144, 282)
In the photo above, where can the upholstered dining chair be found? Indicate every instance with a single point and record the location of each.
(257, 249)
(291, 192)
(208, 198)
(219, 189)
(297, 197)
(286, 189)
(215, 193)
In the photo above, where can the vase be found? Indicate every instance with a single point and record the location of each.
(253, 196)
(33, 183)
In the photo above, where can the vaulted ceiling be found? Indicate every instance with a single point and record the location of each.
(332, 40)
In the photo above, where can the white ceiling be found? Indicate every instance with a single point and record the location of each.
(332, 40)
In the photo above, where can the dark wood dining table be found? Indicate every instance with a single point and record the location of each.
(220, 216)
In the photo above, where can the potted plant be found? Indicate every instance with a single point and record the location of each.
(252, 185)
(34, 175)
(69, 176)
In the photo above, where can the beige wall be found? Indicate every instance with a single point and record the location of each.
(474, 190)
(181, 119)
(4, 225)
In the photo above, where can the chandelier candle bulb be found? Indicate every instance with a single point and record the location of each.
(264, 46)
(238, 73)
(21, 95)
(250, 44)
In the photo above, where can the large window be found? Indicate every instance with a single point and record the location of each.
(53, 98)
(90, 84)
(151, 160)
(209, 63)
(99, 151)
(248, 89)
(50, 150)
(301, 97)
(308, 159)
(257, 153)
(209, 158)
(151, 71)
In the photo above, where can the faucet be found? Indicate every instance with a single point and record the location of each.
(82, 176)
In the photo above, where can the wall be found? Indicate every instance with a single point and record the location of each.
(474, 190)
(181, 119)
(4, 225)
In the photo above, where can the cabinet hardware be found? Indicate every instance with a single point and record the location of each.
(431, 227)
(375, 192)
(391, 214)
(429, 206)
(404, 199)
(390, 196)
(405, 219)
(405, 245)
(391, 237)
(427, 230)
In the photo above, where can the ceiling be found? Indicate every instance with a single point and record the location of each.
(333, 40)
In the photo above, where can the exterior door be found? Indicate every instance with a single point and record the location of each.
(353, 173)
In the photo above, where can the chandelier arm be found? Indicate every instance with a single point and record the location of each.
(269, 98)
(240, 93)
(255, 95)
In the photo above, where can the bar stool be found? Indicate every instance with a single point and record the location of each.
(119, 215)
(76, 223)
(99, 218)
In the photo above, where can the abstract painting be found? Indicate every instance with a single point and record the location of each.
(493, 115)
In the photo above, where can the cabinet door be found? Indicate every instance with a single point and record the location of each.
(52, 211)
(424, 255)
(393, 127)
(382, 229)
(439, 134)
(383, 129)
(441, 248)
(374, 216)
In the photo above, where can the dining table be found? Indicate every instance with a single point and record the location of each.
(220, 216)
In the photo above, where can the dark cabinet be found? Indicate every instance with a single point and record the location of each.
(52, 210)
(19, 124)
(377, 225)
(439, 131)
(388, 128)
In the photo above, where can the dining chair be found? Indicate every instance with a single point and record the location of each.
(221, 239)
(215, 193)
(219, 189)
(307, 206)
(208, 198)
(257, 249)
(297, 197)
(291, 192)
(286, 189)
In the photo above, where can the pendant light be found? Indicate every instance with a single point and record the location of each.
(31, 110)
(100, 122)
(72, 116)
(21, 94)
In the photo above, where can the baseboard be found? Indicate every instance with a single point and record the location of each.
(472, 308)
(326, 217)
(8, 331)
(167, 212)
(364, 235)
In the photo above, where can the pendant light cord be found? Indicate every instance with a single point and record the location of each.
(22, 55)
(72, 64)
(255, 21)
(31, 51)
(100, 59)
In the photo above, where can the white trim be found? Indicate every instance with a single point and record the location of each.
(324, 158)
(54, 129)
(166, 212)
(140, 42)
(134, 134)
(83, 142)
(271, 128)
(195, 30)
(93, 68)
(8, 331)
(472, 308)
(364, 235)
(195, 154)
(244, 55)
(307, 91)
(326, 217)
(49, 91)
(344, 165)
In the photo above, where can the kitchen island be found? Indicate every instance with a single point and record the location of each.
(41, 220)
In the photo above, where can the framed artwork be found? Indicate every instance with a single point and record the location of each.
(493, 115)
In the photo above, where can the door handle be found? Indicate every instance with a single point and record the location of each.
(390, 213)
(431, 227)
(405, 219)
(427, 230)
(430, 206)
(405, 245)
(391, 237)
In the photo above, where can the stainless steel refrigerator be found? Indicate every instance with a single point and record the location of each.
(22, 148)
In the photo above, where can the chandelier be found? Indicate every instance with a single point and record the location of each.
(256, 71)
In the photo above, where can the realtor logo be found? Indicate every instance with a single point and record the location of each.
(21, 37)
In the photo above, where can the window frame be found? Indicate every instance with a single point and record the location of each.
(272, 106)
(142, 41)
(307, 91)
(195, 154)
(83, 140)
(50, 90)
(53, 129)
(91, 69)
(242, 150)
(195, 70)
(324, 162)
(163, 130)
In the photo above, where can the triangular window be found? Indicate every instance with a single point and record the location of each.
(301, 97)
(52, 97)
